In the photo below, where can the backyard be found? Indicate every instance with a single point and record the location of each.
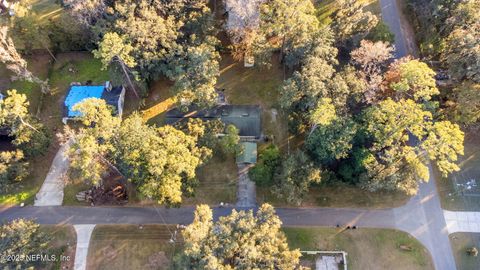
(367, 248)
(460, 243)
(131, 247)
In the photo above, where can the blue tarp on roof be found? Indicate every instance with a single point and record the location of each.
(78, 93)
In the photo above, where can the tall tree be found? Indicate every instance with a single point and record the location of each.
(240, 240)
(411, 79)
(28, 133)
(13, 169)
(292, 23)
(115, 48)
(22, 237)
(160, 161)
(392, 163)
(195, 74)
(243, 27)
(297, 174)
(230, 141)
(466, 103)
(87, 12)
(93, 144)
(15, 63)
(372, 58)
(351, 20)
(462, 46)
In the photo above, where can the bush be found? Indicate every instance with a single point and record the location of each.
(262, 174)
(381, 32)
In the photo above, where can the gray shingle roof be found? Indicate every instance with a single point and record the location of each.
(247, 118)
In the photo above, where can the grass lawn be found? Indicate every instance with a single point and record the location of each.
(460, 243)
(114, 247)
(450, 193)
(217, 182)
(63, 243)
(341, 195)
(70, 67)
(366, 248)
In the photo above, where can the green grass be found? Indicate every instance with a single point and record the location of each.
(460, 243)
(339, 195)
(451, 198)
(366, 248)
(129, 247)
(63, 243)
(217, 182)
(71, 190)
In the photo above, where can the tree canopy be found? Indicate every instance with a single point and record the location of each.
(222, 244)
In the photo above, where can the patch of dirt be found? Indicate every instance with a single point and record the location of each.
(157, 260)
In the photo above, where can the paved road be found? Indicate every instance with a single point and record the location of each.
(391, 17)
(422, 217)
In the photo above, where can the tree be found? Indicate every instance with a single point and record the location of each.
(466, 107)
(13, 169)
(87, 12)
(14, 61)
(444, 143)
(330, 142)
(195, 74)
(21, 237)
(243, 27)
(93, 143)
(29, 134)
(381, 32)
(412, 79)
(351, 20)
(462, 45)
(372, 58)
(394, 165)
(115, 48)
(292, 22)
(230, 141)
(240, 240)
(297, 174)
(264, 170)
(205, 132)
(160, 161)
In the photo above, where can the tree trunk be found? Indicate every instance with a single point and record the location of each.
(128, 77)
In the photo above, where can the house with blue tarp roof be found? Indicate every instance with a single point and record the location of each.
(113, 96)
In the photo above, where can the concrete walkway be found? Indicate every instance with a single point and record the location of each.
(246, 192)
(462, 221)
(51, 192)
(84, 233)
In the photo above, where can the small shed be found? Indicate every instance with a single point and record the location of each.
(113, 96)
(249, 153)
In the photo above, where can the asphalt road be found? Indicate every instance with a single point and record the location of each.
(391, 17)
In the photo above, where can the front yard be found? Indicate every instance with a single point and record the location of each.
(114, 247)
(63, 243)
(366, 248)
(460, 243)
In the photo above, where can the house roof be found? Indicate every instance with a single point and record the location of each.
(249, 153)
(247, 118)
(78, 93)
